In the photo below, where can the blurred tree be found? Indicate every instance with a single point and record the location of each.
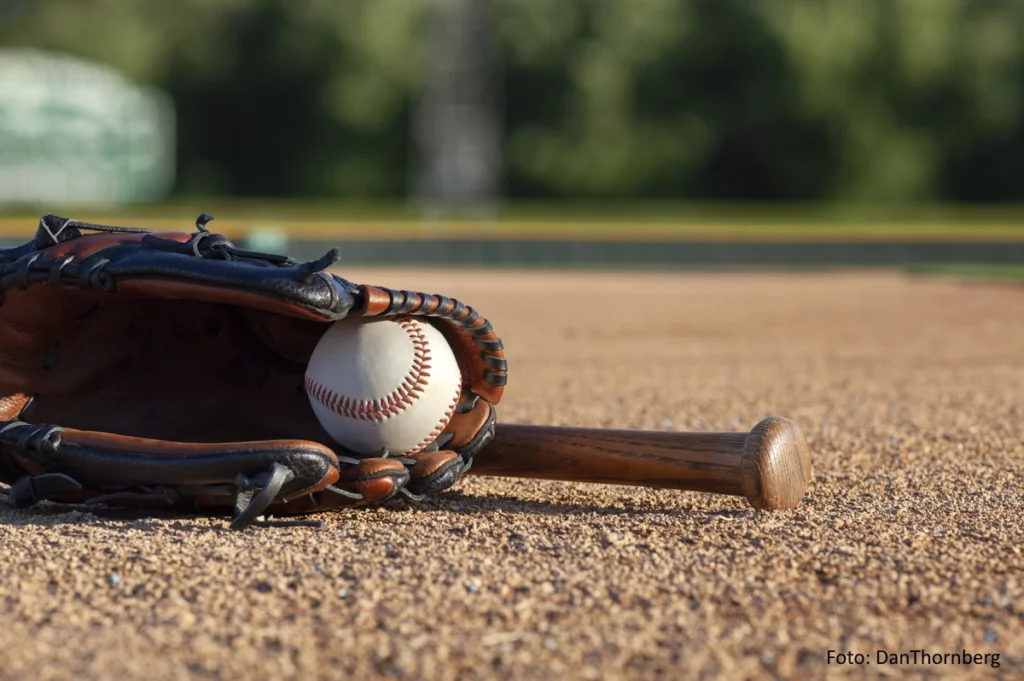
(456, 128)
(657, 98)
(874, 100)
(912, 91)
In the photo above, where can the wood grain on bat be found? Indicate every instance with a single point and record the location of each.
(770, 465)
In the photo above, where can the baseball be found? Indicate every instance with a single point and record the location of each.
(376, 383)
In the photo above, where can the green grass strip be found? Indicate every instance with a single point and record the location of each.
(971, 271)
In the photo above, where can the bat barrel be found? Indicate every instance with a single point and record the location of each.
(770, 465)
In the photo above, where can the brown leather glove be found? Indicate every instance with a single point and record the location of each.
(166, 369)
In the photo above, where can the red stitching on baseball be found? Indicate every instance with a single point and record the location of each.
(439, 428)
(401, 397)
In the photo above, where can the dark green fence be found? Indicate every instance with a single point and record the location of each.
(519, 253)
(660, 255)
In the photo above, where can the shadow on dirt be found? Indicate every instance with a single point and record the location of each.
(50, 514)
(465, 503)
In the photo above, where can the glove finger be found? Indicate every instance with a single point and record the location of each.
(451, 455)
(365, 483)
(466, 427)
(434, 471)
(141, 470)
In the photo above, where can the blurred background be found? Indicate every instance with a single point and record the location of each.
(878, 128)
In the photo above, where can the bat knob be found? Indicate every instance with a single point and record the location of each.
(776, 466)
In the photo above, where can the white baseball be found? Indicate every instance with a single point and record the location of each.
(391, 382)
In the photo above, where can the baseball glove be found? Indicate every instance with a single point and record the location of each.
(142, 368)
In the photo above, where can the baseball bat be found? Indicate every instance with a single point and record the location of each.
(770, 465)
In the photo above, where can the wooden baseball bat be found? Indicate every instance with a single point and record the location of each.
(770, 465)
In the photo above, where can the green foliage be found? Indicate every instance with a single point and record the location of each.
(873, 100)
(967, 271)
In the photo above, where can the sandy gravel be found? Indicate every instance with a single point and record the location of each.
(911, 392)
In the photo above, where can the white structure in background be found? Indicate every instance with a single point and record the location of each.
(75, 132)
(457, 129)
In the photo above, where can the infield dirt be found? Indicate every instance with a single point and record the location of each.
(910, 391)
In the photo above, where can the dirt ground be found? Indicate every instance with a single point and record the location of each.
(910, 391)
